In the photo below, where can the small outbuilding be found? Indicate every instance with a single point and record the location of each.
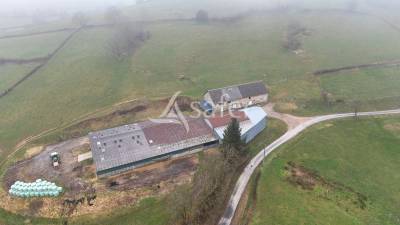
(237, 96)
(252, 121)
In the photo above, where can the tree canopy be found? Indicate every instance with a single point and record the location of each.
(202, 16)
(232, 143)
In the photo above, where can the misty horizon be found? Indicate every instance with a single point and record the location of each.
(28, 7)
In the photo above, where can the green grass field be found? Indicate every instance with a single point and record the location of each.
(149, 212)
(84, 77)
(134, 215)
(360, 154)
(357, 84)
(31, 46)
(340, 39)
(10, 74)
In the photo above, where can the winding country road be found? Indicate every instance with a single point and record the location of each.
(296, 126)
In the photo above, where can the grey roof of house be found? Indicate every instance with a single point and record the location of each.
(252, 89)
(237, 92)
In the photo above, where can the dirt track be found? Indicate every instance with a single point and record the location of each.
(112, 192)
(40, 166)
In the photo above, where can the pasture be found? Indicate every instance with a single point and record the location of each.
(191, 57)
(31, 46)
(346, 173)
(10, 74)
(194, 57)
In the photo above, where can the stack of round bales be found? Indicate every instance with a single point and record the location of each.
(39, 188)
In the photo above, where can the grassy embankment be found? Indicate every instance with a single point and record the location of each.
(352, 166)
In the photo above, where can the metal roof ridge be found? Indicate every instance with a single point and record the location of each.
(236, 85)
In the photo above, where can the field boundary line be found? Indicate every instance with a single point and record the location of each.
(30, 139)
(32, 72)
(389, 63)
(36, 33)
(16, 61)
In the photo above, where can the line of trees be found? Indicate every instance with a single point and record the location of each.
(202, 16)
(293, 36)
(127, 38)
(197, 203)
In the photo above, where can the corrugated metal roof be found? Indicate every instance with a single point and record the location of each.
(167, 133)
(219, 121)
(130, 143)
(236, 92)
(254, 115)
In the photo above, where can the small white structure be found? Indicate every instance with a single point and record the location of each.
(85, 156)
(252, 121)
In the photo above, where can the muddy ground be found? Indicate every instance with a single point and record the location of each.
(340, 194)
(69, 174)
(153, 175)
(76, 178)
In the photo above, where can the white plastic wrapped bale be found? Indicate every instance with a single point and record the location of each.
(39, 188)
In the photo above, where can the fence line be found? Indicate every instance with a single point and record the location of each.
(34, 70)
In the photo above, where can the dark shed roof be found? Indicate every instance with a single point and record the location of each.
(237, 92)
(252, 89)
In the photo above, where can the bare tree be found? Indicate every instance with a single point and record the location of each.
(113, 15)
(202, 16)
(181, 205)
(80, 19)
(356, 106)
(293, 37)
(326, 97)
(126, 40)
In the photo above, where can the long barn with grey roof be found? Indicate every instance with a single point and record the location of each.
(122, 148)
(237, 96)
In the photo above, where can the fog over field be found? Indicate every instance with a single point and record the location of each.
(29, 5)
(60, 5)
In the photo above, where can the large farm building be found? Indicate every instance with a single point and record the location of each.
(122, 148)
